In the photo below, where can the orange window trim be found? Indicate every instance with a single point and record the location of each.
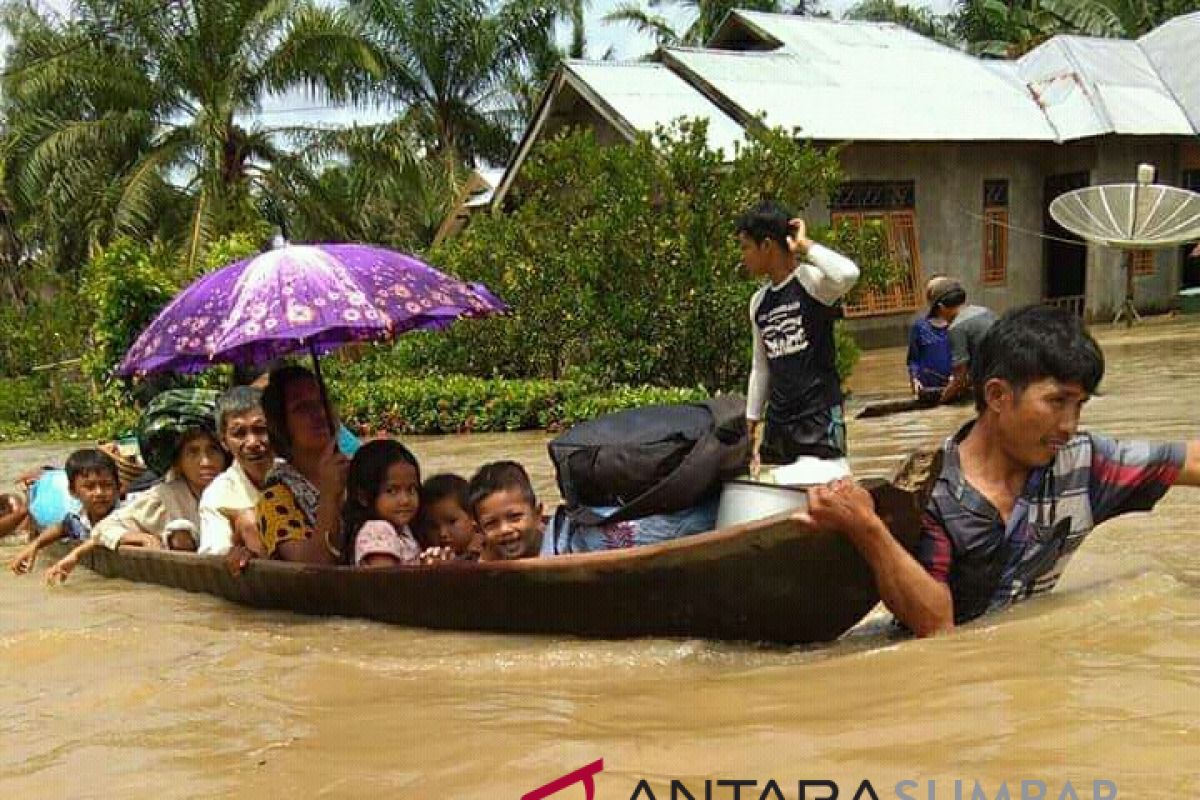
(995, 246)
(902, 242)
(1143, 262)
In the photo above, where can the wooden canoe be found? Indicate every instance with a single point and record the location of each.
(770, 581)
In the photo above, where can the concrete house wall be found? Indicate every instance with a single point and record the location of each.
(948, 179)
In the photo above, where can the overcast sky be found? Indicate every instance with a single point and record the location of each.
(624, 42)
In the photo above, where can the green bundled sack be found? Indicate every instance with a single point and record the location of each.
(168, 418)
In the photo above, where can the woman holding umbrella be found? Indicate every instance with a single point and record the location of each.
(299, 512)
(296, 299)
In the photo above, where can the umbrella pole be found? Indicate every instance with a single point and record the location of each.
(312, 351)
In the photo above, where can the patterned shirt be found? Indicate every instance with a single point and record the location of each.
(989, 565)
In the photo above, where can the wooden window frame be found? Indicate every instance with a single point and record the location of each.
(995, 233)
(1144, 263)
(901, 226)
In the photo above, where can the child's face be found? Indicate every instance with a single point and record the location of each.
(512, 528)
(397, 501)
(96, 492)
(450, 525)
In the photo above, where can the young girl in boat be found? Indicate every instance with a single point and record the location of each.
(382, 498)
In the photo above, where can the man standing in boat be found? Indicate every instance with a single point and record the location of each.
(794, 368)
(1020, 487)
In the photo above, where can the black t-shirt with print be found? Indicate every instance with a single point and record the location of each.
(797, 334)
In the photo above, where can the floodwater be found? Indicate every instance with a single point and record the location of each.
(112, 689)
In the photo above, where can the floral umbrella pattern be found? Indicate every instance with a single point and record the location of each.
(311, 298)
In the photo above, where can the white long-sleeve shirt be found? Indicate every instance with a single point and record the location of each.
(230, 492)
(826, 277)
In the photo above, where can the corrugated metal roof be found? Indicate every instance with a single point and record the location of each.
(1173, 50)
(1091, 87)
(897, 86)
(647, 95)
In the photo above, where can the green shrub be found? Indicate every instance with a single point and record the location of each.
(581, 407)
(28, 409)
(463, 404)
(619, 261)
(449, 404)
(127, 284)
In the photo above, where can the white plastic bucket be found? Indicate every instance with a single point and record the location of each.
(746, 500)
(781, 489)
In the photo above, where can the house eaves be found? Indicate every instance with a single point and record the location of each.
(632, 97)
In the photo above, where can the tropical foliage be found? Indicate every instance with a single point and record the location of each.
(620, 261)
(1010, 28)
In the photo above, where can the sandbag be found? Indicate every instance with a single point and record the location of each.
(651, 460)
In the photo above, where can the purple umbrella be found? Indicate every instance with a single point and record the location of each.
(301, 298)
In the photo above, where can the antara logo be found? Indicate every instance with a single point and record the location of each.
(585, 775)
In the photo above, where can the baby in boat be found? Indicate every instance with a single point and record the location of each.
(382, 498)
(445, 523)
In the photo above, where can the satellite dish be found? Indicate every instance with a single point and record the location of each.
(1130, 216)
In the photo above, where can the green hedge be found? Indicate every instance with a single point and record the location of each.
(396, 404)
(28, 411)
(461, 404)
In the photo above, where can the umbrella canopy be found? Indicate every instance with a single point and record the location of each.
(301, 298)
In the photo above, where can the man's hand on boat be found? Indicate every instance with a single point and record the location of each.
(921, 603)
(842, 505)
(247, 543)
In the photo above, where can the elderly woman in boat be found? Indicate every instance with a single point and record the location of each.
(299, 511)
(178, 440)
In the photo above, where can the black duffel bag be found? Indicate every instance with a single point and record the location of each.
(651, 460)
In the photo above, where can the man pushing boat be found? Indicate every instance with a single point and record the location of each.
(794, 368)
(1020, 486)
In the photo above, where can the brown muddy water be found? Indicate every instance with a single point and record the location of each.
(110, 689)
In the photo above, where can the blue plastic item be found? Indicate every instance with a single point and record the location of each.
(50, 498)
(347, 442)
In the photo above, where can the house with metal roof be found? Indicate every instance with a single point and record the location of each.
(958, 156)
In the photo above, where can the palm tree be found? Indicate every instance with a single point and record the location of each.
(1006, 28)
(1124, 19)
(135, 108)
(367, 184)
(446, 63)
(709, 15)
(919, 20)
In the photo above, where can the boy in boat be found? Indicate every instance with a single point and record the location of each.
(93, 479)
(966, 327)
(794, 369)
(509, 516)
(1020, 487)
(507, 511)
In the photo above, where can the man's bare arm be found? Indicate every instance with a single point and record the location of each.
(922, 603)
